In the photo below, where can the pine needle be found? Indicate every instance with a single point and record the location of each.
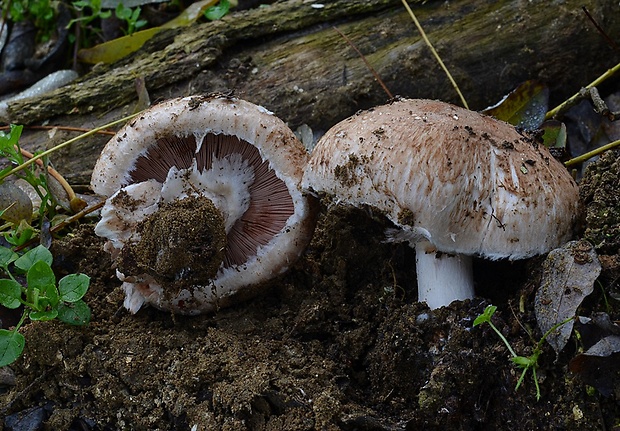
(428, 43)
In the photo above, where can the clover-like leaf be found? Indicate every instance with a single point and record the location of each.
(73, 287)
(40, 276)
(75, 313)
(37, 254)
(10, 293)
(486, 315)
(11, 346)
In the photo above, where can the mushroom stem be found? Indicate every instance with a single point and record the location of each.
(442, 277)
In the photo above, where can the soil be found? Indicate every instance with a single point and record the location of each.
(337, 343)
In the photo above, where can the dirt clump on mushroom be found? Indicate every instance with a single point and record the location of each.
(181, 244)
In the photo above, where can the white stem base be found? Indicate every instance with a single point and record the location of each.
(442, 278)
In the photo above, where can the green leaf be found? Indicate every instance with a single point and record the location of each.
(11, 346)
(486, 315)
(48, 297)
(37, 254)
(73, 287)
(7, 256)
(76, 313)
(10, 293)
(43, 315)
(40, 276)
(524, 107)
(8, 141)
(523, 362)
(79, 5)
(218, 11)
(123, 12)
(4, 172)
(135, 14)
(140, 23)
(554, 134)
(19, 236)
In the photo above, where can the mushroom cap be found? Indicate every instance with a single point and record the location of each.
(466, 182)
(187, 147)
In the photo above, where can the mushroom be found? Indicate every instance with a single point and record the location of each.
(204, 203)
(455, 183)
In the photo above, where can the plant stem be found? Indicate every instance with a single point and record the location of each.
(501, 336)
(21, 320)
(65, 144)
(439, 60)
(53, 172)
(569, 102)
(590, 154)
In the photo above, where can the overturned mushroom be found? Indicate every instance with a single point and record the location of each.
(204, 203)
(456, 183)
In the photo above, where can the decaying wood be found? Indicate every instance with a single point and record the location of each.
(288, 58)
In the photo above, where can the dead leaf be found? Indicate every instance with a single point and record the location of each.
(599, 365)
(524, 107)
(568, 277)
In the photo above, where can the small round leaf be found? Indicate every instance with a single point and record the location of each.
(37, 254)
(10, 293)
(11, 346)
(75, 313)
(7, 256)
(73, 287)
(43, 315)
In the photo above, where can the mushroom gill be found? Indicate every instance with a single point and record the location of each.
(270, 205)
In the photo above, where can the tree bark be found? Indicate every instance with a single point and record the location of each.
(288, 58)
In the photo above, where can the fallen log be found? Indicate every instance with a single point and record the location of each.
(288, 58)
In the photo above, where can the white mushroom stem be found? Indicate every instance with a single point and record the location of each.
(442, 277)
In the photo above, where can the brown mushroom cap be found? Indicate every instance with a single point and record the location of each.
(236, 154)
(466, 182)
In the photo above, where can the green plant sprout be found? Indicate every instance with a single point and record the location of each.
(31, 282)
(217, 11)
(525, 362)
(95, 12)
(40, 12)
(42, 298)
(131, 17)
(9, 149)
